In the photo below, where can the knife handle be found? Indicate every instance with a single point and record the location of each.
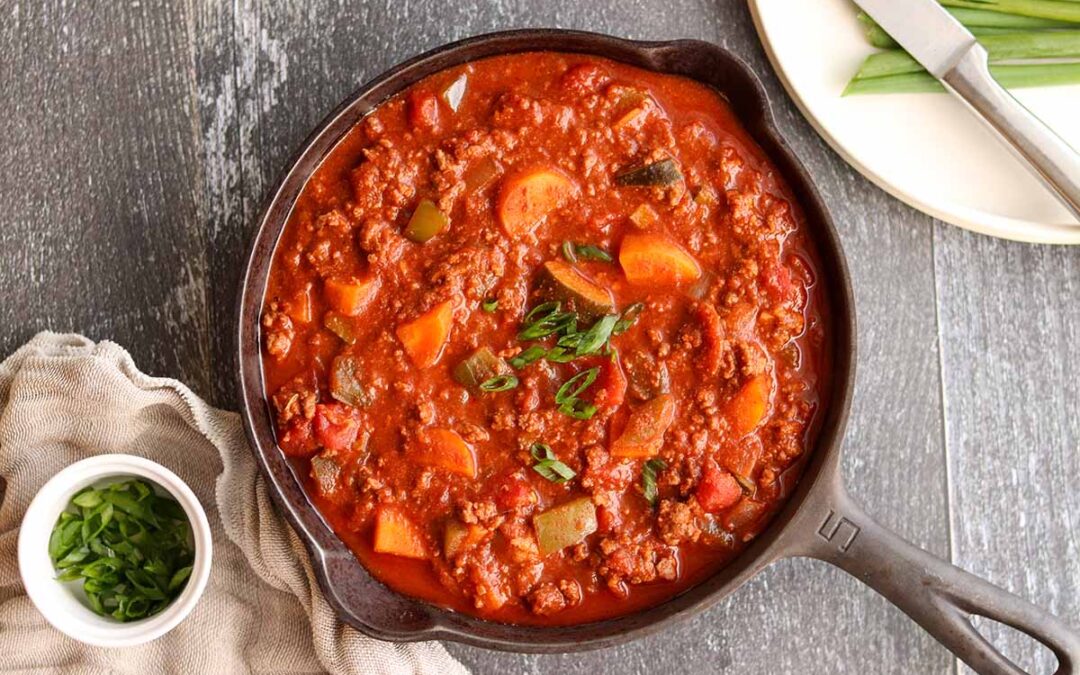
(1051, 157)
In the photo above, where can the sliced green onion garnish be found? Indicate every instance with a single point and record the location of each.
(530, 355)
(541, 451)
(629, 316)
(567, 397)
(543, 309)
(568, 251)
(499, 383)
(548, 465)
(547, 319)
(577, 384)
(554, 322)
(574, 252)
(597, 336)
(559, 355)
(578, 409)
(131, 549)
(648, 478)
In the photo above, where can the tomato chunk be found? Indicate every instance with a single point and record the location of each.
(778, 283)
(610, 385)
(513, 492)
(745, 514)
(742, 459)
(422, 108)
(336, 425)
(296, 439)
(584, 78)
(717, 489)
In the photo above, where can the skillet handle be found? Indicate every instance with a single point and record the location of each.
(938, 596)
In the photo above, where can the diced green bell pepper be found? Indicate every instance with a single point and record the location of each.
(565, 525)
(426, 222)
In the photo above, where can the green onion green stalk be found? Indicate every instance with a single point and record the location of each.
(1009, 76)
(1031, 43)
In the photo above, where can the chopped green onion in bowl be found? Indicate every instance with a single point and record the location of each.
(131, 549)
(65, 605)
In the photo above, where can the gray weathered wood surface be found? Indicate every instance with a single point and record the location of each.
(141, 137)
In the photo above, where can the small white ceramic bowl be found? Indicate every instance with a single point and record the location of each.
(60, 602)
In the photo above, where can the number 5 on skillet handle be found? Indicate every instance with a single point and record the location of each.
(938, 596)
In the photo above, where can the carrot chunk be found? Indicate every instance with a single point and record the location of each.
(396, 534)
(445, 449)
(643, 435)
(350, 296)
(426, 336)
(748, 407)
(654, 260)
(526, 198)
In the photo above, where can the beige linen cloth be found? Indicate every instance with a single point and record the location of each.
(64, 398)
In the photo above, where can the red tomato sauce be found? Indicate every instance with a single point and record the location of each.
(544, 336)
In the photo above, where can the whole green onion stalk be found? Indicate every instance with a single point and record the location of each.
(1031, 43)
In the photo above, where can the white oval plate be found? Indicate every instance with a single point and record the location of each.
(925, 149)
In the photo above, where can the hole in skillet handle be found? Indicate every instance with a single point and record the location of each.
(1017, 646)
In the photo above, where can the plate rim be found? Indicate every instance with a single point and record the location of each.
(984, 223)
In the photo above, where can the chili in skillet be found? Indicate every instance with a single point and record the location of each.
(542, 333)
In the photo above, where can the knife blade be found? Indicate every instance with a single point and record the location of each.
(922, 27)
(952, 54)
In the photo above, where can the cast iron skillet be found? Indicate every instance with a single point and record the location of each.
(819, 520)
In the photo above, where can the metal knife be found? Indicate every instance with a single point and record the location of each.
(950, 52)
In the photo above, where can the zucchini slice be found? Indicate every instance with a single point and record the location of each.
(564, 525)
(479, 367)
(426, 222)
(325, 471)
(562, 281)
(345, 384)
(662, 173)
